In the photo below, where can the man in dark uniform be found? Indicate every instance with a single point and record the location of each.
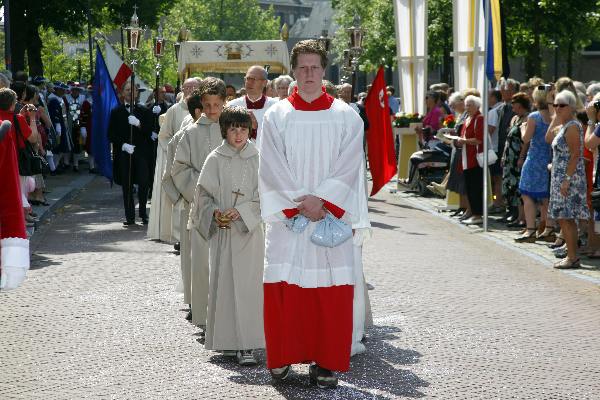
(131, 136)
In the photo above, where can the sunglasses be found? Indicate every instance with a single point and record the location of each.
(560, 105)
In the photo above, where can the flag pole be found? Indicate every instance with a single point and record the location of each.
(486, 20)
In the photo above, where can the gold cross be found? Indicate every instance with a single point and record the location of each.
(237, 194)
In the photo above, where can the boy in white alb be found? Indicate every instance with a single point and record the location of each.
(226, 213)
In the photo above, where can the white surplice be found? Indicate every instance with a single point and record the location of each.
(302, 153)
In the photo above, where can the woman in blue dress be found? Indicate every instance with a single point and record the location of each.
(568, 185)
(535, 176)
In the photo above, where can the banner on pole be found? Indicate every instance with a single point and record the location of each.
(411, 46)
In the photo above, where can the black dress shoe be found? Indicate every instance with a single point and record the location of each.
(75, 169)
(128, 223)
(144, 220)
(188, 317)
(177, 246)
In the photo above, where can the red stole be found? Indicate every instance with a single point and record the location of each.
(255, 105)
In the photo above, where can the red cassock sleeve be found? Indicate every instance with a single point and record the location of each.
(332, 208)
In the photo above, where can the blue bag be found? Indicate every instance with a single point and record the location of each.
(297, 224)
(331, 232)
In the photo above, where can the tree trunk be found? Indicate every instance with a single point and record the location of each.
(533, 59)
(570, 51)
(34, 52)
(18, 35)
(446, 61)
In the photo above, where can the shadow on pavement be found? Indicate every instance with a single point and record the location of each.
(373, 374)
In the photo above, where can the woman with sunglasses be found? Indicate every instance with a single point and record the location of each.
(568, 181)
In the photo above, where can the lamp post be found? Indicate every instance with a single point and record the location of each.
(134, 35)
(159, 46)
(183, 36)
(356, 35)
(346, 66)
(324, 40)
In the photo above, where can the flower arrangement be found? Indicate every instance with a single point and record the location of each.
(402, 120)
(449, 121)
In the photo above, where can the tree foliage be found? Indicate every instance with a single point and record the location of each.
(207, 20)
(377, 18)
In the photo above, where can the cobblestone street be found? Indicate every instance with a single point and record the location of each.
(457, 316)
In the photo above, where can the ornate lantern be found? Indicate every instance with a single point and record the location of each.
(356, 34)
(159, 43)
(134, 32)
(324, 40)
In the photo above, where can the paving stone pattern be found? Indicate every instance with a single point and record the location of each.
(457, 316)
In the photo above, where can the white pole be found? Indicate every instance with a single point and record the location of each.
(486, 18)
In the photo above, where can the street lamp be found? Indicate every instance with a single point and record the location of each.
(134, 36)
(158, 49)
(183, 36)
(324, 40)
(356, 35)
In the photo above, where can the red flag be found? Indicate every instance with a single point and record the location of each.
(382, 154)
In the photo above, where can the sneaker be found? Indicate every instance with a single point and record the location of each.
(560, 252)
(245, 357)
(323, 378)
(279, 374)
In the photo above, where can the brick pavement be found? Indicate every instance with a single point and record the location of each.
(456, 316)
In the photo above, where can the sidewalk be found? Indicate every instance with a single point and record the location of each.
(60, 189)
(498, 233)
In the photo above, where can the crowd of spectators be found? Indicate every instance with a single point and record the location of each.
(545, 136)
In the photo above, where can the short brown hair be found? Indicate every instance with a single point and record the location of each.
(7, 98)
(193, 102)
(521, 98)
(234, 116)
(213, 86)
(310, 46)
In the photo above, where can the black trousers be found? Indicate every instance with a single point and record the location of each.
(140, 174)
(474, 188)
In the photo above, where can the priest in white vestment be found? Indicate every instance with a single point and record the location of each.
(196, 143)
(311, 162)
(161, 209)
(228, 186)
(255, 100)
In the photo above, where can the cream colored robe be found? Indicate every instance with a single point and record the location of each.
(160, 224)
(176, 199)
(196, 143)
(235, 309)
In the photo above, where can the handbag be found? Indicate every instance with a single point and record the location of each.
(331, 232)
(492, 156)
(30, 163)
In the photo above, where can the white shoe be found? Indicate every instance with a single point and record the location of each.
(245, 357)
(473, 221)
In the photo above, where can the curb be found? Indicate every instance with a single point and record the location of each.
(59, 196)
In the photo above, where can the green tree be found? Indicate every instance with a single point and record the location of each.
(377, 17)
(67, 17)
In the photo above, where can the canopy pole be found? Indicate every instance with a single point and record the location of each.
(486, 20)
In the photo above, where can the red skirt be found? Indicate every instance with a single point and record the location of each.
(303, 325)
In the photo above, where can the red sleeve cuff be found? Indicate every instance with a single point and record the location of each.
(332, 208)
(290, 212)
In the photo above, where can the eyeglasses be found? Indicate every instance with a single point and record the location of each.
(252, 79)
(560, 105)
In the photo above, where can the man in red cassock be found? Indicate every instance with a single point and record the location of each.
(311, 161)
